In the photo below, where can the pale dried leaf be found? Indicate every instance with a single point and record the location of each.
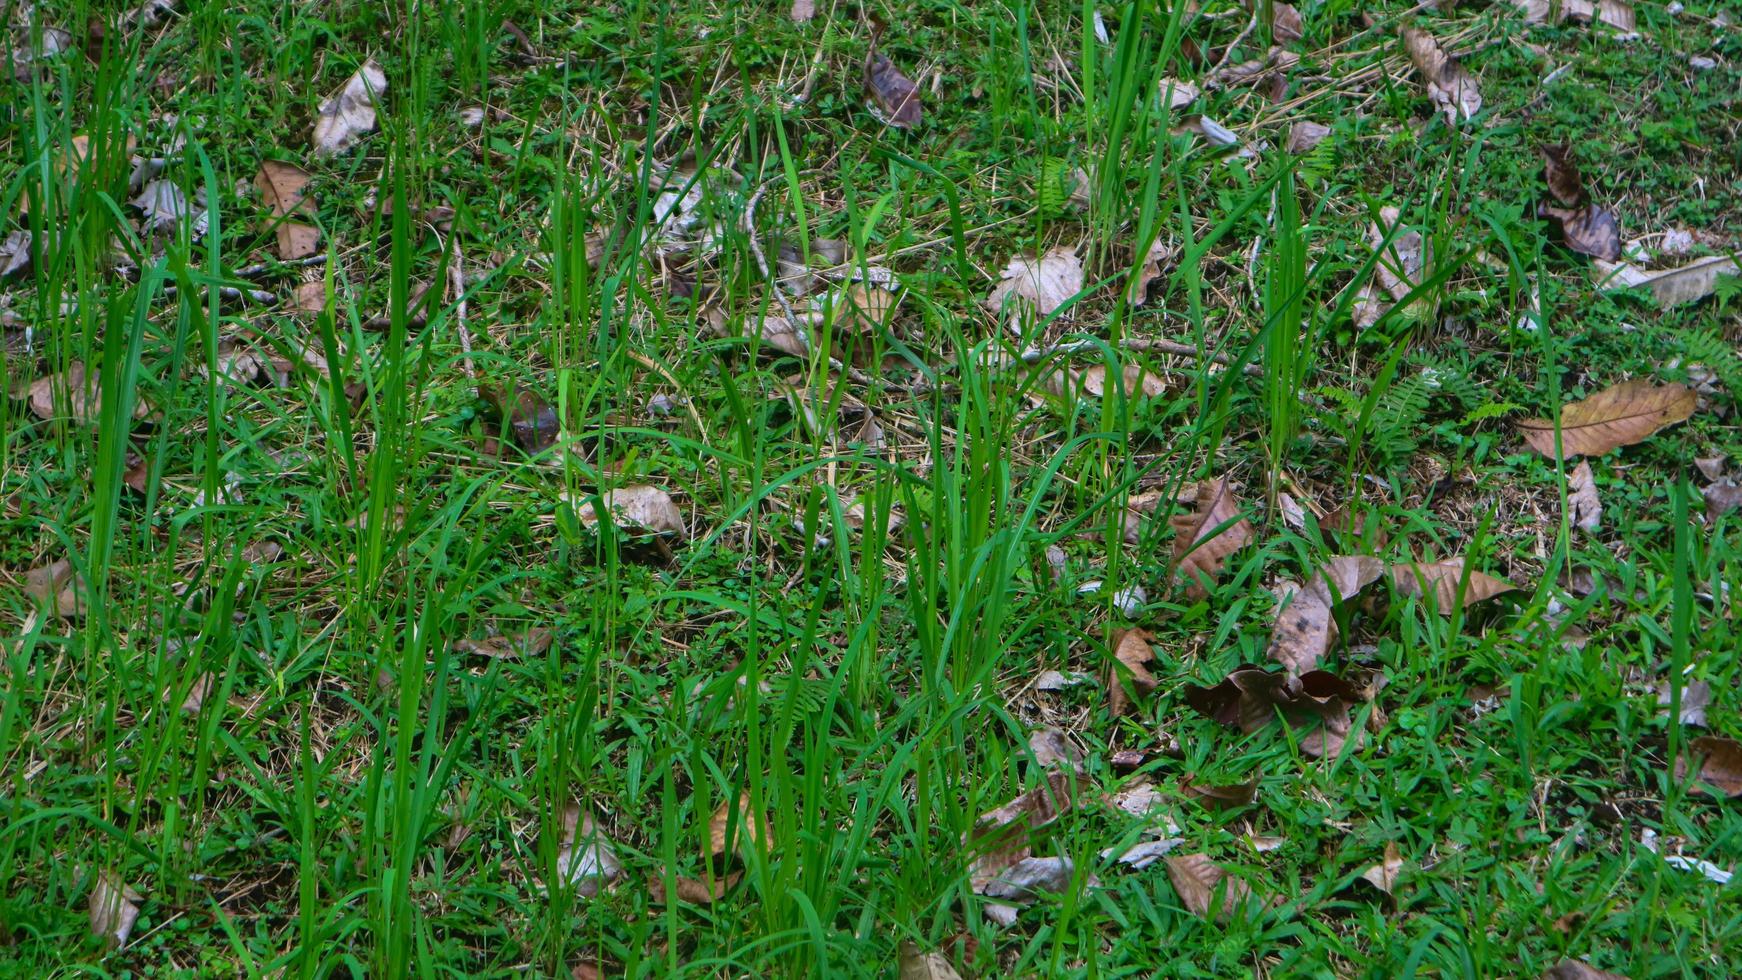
(1720, 766)
(530, 643)
(1133, 382)
(803, 11)
(114, 909)
(310, 297)
(162, 205)
(197, 694)
(744, 827)
(1285, 23)
(1178, 94)
(1578, 970)
(916, 965)
(1617, 14)
(1305, 627)
(1622, 415)
(1213, 796)
(1450, 88)
(1052, 748)
(1441, 580)
(1201, 541)
(1721, 498)
(350, 112)
(1669, 287)
(1144, 854)
(586, 859)
(1305, 135)
(1155, 263)
(1696, 698)
(1029, 877)
(1582, 500)
(284, 189)
(1131, 655)
(1384, 875)
(1203, 885)
(1045, 283)
(14, 253)
(639, 508)
(894, 93)
(1401, 261)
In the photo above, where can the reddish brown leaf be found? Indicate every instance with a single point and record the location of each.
(1720, 767)
(284, 189)
(1304, 624)
(1221, 797)
(1131, 652)
(1443, 580)
(1203, 885)
(894, 92)
(695, 891)
(1622, 415)
(1246, 699)
(1450, 88)
(58, 588)
(1586, 228)
(1201, 541)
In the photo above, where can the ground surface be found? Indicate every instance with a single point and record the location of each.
(345, 675)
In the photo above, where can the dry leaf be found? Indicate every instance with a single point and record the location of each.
(1221, 797)
(1201, 541)
(1304, 625)
(527, 419)
(1384, 875)
(14, 253)
(1441, 580)
(1669, 287)
(1586, 228)
(57, 587)
(894, 93)
(916, 965)
(744, 827)
(1618, 416)
(1285, 23)
(284, 189)
(1160, 256)
(1051, 749)
(197, 694)
(1721, 498)
(1246, 699)
(1131, 654)
(1610, 13)
(350, 112)
(1696, 698)
(530, 643)
(1134, 382)
(1203, 885)
(1720, 765)
(638, 509)
(1582, 499)
(1178, 94)
(695, 891)
(162, 205)
(1143, 854)
(1578, 970)
(1305, 135)
(585, 860)
(999, 837)
(862, 308)
(310, 297)
(114, 909)
(803, 11)
(1045, 283)
(1450, 88)
(1028, 878)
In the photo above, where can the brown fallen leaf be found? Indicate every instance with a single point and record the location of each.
(1402, 255)
(350, 112)
(1246, 699)
(1621, 415)
(1043, 283)
(638, 509)
(309, 297)
(82, 392)
(58, 588)
(527, 419)
(1585, 227)
(730, 830)
(1205, 538)
(1155, 262)
(1669, 287)
(1203, 885)
(1720, 766)
(197, 693)
(999, 838)
(1132, 382)
(114, 909)
(1131, 654)
(1286, 26)
(1721, 499)
(1227, 797)
(695, 891)
(1582, 500)
(284, 188)
(1305, 135)
(1384, 875)
(1450, 88)
(586, 859)
(1578, 970)
(1442, 580)
(1053, 749)
(915, 965)
(531, 643)
(894, 93)
(1305, 627)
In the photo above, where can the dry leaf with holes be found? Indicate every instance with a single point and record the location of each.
(114, 909)
(1450, 88)
(638, 509)
(1305, 627)
(1585, 227)
(1131, 656)
(1582, 500)
(1205, 538)
(1043, 283)
(586, 859)
(58, 588)
(1203, 886)
(350, 112)
(284, 189)
(1578, 970)
(1671, 287)
(895, 94)
(1384, 875)
(1720, 766)
(916, 965)
(1622, 415)
(1443, 580)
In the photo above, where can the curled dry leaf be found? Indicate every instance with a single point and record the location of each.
(638, 509)
(916, 965)
(58, 588)
(1721, 498)
(1204, 887)
(530, 643)
(1384, 875)
(1578, 970)
(1585, 227)
(1204, 538)
(162, 206)
(1045, 283)
(895, 94)
(1622, 415)
(1669, 287)
(1227, 797)
(1178, 94)
(1582, 500)
(284, 189)
(114, 909)
(1249, 697)
(1720, 766)
(586, 859)
(14, 253)
(1131, 656)
(1450, 88)
(1305, 627)
(1443, 580)
(696, 891)
(1402, 254)
(1145, 853)
(350, 112)
(1030, 877)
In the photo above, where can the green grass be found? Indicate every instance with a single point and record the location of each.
(850, 633)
